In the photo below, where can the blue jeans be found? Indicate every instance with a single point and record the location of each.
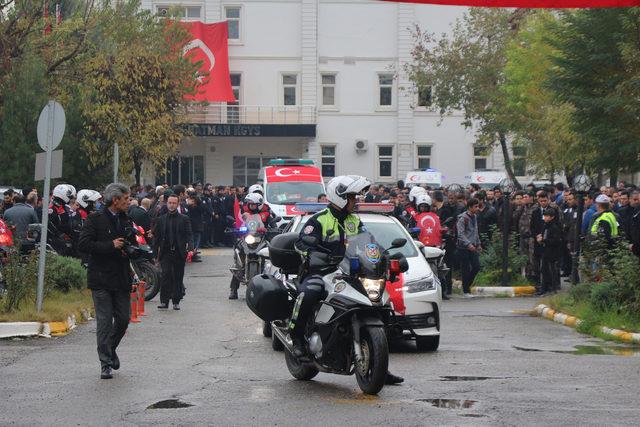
(470, 266)
(197, 235)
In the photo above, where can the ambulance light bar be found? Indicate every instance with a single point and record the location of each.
(290, 162)
(310, 207)
(383, 208)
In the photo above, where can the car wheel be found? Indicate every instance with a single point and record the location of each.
(429, 343)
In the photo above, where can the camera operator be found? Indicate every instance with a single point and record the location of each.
(104, 237)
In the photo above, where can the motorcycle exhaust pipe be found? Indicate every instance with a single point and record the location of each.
(282, 336)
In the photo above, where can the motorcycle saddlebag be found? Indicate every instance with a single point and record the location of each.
(283, 255)
(268, 298)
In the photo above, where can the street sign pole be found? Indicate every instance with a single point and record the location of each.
(50, 131)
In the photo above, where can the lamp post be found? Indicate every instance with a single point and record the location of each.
(581, 184)
(507, 186)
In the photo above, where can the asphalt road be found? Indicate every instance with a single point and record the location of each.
(494, 367)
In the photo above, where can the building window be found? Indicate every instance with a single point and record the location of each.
(247, 168)
(185, 13)
(480, 155)
(385, 161)
(328, 161)
(328, 90)
(232, 14)
(519, 161)
(233, 109)
(385, 87)
(424, 156)
(183, 170)
(289, 86)
(425, 97)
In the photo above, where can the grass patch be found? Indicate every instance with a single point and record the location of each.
(57, 307)
(593, 318)
(494, 278)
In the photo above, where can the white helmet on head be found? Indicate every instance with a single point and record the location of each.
(254, 198)
(73, 191)
(423, 199)
(256, 188)
(64, 192)
(414, 193)
(342, 186)
(87, 196)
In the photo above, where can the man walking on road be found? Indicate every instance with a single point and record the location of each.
(172, 240)
(103, 237)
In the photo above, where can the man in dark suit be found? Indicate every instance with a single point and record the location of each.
(537, 229)
(173, 239)
(103, 237)
(140, 214)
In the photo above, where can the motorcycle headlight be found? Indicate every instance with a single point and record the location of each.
(251, 239)
(421, 285)
(374, 288)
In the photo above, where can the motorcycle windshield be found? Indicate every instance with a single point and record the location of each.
(364, 257)
(253, 223)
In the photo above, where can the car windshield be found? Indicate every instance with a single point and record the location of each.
(290, 193)
(384, 233)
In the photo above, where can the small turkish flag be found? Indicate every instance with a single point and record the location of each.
(209, 45)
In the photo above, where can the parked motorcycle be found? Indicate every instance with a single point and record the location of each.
(346, 335)
(143, 264)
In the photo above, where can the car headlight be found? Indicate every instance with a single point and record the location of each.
(421, 285)
(251, 239)
(374, 288)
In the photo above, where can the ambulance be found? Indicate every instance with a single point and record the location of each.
(429, 177)
(290, 181)
(487, 179)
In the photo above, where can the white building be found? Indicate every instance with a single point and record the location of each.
(322, 79)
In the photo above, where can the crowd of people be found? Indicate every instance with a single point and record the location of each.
(543, 222)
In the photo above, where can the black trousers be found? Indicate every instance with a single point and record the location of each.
(550, 275)
(172, 264)
(311, 291)
(470, 266)
(112, 318)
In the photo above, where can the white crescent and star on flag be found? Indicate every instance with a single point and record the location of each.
(427, 227)
(199, 44)
(281, 172)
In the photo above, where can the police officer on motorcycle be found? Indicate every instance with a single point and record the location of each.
(331, 228)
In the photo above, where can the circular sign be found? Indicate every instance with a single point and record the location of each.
(51, 126)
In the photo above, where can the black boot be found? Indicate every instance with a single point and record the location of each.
(115, 360)
(163, 306)
(233, 294)
(299, 349)
(393, 379)
(106, 373)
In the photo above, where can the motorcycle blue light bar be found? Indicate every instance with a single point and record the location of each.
(290, 162)
(354, 265)
(243, 229)
(384, 208)
(310, 207)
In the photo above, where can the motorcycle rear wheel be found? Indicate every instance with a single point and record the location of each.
(299, 371)
(371, 373)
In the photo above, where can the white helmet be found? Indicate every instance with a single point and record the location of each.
(86, 196)
(256, 188)
(342, 186)
(414, 193)
(64, 192)
(254, 198)
(73, 191)
(423, 199)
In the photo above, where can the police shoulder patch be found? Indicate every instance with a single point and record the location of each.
(308, 229)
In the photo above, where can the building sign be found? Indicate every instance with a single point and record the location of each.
(238, 130)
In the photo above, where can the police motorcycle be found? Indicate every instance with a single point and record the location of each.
(142, 260)
(346, 334)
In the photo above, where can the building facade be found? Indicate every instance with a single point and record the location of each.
(322, 79)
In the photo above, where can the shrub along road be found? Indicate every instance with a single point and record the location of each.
(494, 366)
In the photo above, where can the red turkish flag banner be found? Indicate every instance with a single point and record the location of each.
(209, 45)
(539, 4)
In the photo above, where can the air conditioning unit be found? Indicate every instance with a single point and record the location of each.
(362, 145)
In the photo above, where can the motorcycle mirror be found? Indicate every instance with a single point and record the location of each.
(398, 243)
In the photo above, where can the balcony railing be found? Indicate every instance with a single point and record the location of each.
(253, 114)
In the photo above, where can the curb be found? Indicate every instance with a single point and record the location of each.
(510, 291)
(42, 329)
(547, 312)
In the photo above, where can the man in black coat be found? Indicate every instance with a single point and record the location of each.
(550, 241)
(173, 239)
(537, 229)
(103, 237)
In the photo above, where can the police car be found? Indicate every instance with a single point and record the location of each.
(417, 296)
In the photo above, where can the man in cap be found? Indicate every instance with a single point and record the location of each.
(604, 222)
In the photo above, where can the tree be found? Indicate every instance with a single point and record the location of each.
(539, 122)
(466, 71)
(592, 73)
(136, 80)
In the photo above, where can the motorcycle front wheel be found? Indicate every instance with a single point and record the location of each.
(299, 371)
(253, 269)
(371, 372)
(151, 275)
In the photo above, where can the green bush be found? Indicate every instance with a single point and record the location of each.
(491, 261)
(603, 296)
(65, 273)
